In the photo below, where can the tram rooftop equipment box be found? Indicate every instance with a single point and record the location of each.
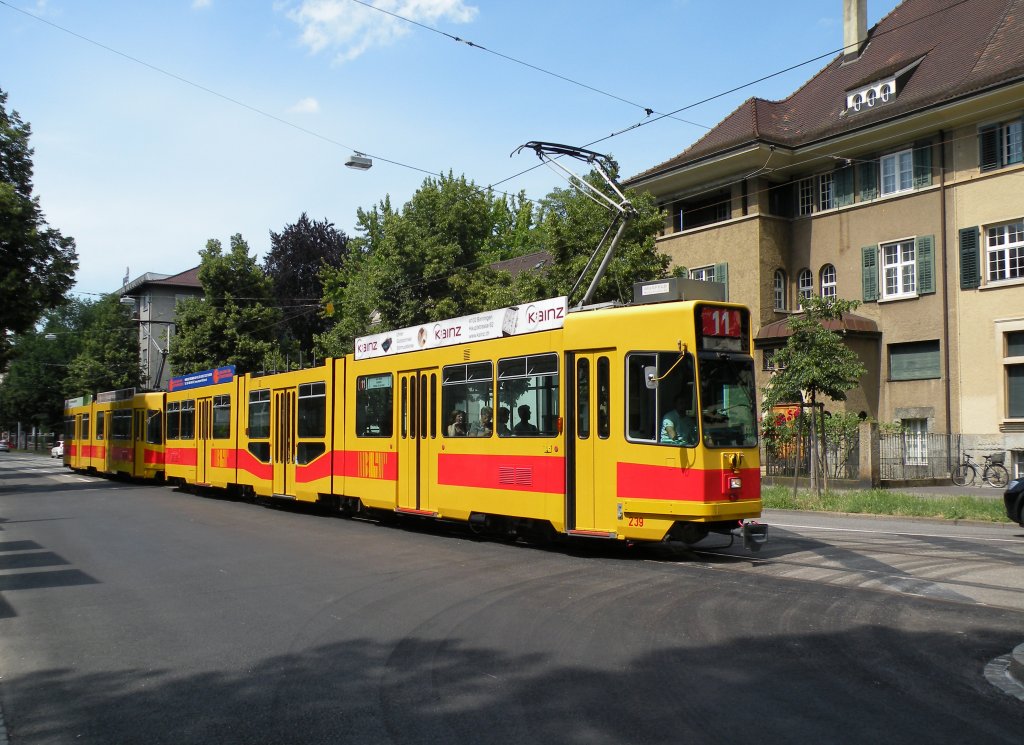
(677, 288)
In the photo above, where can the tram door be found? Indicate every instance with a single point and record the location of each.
(417, 438)
(204, 431)
(590, 465)
(283, 447)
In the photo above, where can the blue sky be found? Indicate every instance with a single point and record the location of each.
(159, 125)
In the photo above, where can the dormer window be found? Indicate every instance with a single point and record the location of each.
(871, 95)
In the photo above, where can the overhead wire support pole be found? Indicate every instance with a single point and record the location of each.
(621, 208)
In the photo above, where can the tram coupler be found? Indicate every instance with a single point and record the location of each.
(753, 533)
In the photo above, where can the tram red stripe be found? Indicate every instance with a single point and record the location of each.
(640, 481)
(181, 456)
(369, 464)
(318, 468)
(530, 473)
(243, 460)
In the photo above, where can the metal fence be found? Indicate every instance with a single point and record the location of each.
(793, 457)
(909, 456)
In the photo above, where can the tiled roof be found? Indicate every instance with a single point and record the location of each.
(529, 262)
(187, 278)
(960, 47)
(850, 324)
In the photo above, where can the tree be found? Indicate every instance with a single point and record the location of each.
(572, 227)
(235, 322)
(815, 362)
(109, 356)
(37, 263)
(298, 255)
(427, 262)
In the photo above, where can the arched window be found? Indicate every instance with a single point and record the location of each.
(779, 287)
(828, 281)
(805, 286)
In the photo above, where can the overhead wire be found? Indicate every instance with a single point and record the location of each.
(491, 186)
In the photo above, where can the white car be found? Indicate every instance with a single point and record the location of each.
(57, 451)
(5, 446)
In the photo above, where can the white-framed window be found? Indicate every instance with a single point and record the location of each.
(897, 172)
(826, 191)
(804, 287)
(1013, 366)
(1005, 251)
(899, 267)
(704, 273)
(828, 281)
(915, 442)
(779, 289)
(805, 196)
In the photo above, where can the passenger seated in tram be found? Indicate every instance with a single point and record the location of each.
(503, 416)
(485, 426)
(524, 426)
(678, 427)
(457, 426)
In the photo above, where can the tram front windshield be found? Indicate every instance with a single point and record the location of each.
(727, 401)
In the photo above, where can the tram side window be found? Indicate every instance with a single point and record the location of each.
(374, 405)
(154, 427)
(312, 409)
(661, 398)
(221, 417)
(121, 424)
(259, 424)
(312, 421)
(69, 429)
(188, 419)
(466, 390)
(85, 428)
(101, 418)
(173, 420)
(528, 396)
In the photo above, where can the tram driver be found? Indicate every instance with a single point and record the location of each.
(677, 426)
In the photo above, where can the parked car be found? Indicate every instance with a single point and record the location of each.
(1013, 498)
(5, 447)
(57, 451)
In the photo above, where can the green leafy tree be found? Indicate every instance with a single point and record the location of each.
(235, 322)
(571, 229)
(814, 363)
(298, 255)
(37, 263)
(427, 262)
(109, 355)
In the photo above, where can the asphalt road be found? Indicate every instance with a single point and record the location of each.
(140, 614)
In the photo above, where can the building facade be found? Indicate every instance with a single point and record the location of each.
(155, 297)
(895, 176)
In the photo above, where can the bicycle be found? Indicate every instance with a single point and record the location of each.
(993, 472)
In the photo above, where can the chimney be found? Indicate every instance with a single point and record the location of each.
(855, 28)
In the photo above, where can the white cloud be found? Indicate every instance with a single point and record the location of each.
(199, 4)
(350, 28)
(305, 106)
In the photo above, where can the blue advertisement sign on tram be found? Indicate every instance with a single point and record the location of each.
(199, 379)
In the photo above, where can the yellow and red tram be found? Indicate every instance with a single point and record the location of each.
(116, 433)
(630, 423)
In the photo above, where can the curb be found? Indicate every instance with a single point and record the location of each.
(1007, 672)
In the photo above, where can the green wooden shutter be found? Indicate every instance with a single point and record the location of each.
(843, 185)
(869, 273)
(925, 264)
(722, 275)
(867, 180)
(970, 262)
(922, 164)
(988, 148)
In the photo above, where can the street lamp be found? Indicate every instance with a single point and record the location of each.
(359, 162)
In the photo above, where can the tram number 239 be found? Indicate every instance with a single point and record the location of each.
(636, 522)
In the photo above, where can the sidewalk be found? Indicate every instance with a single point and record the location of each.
(951, 490)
